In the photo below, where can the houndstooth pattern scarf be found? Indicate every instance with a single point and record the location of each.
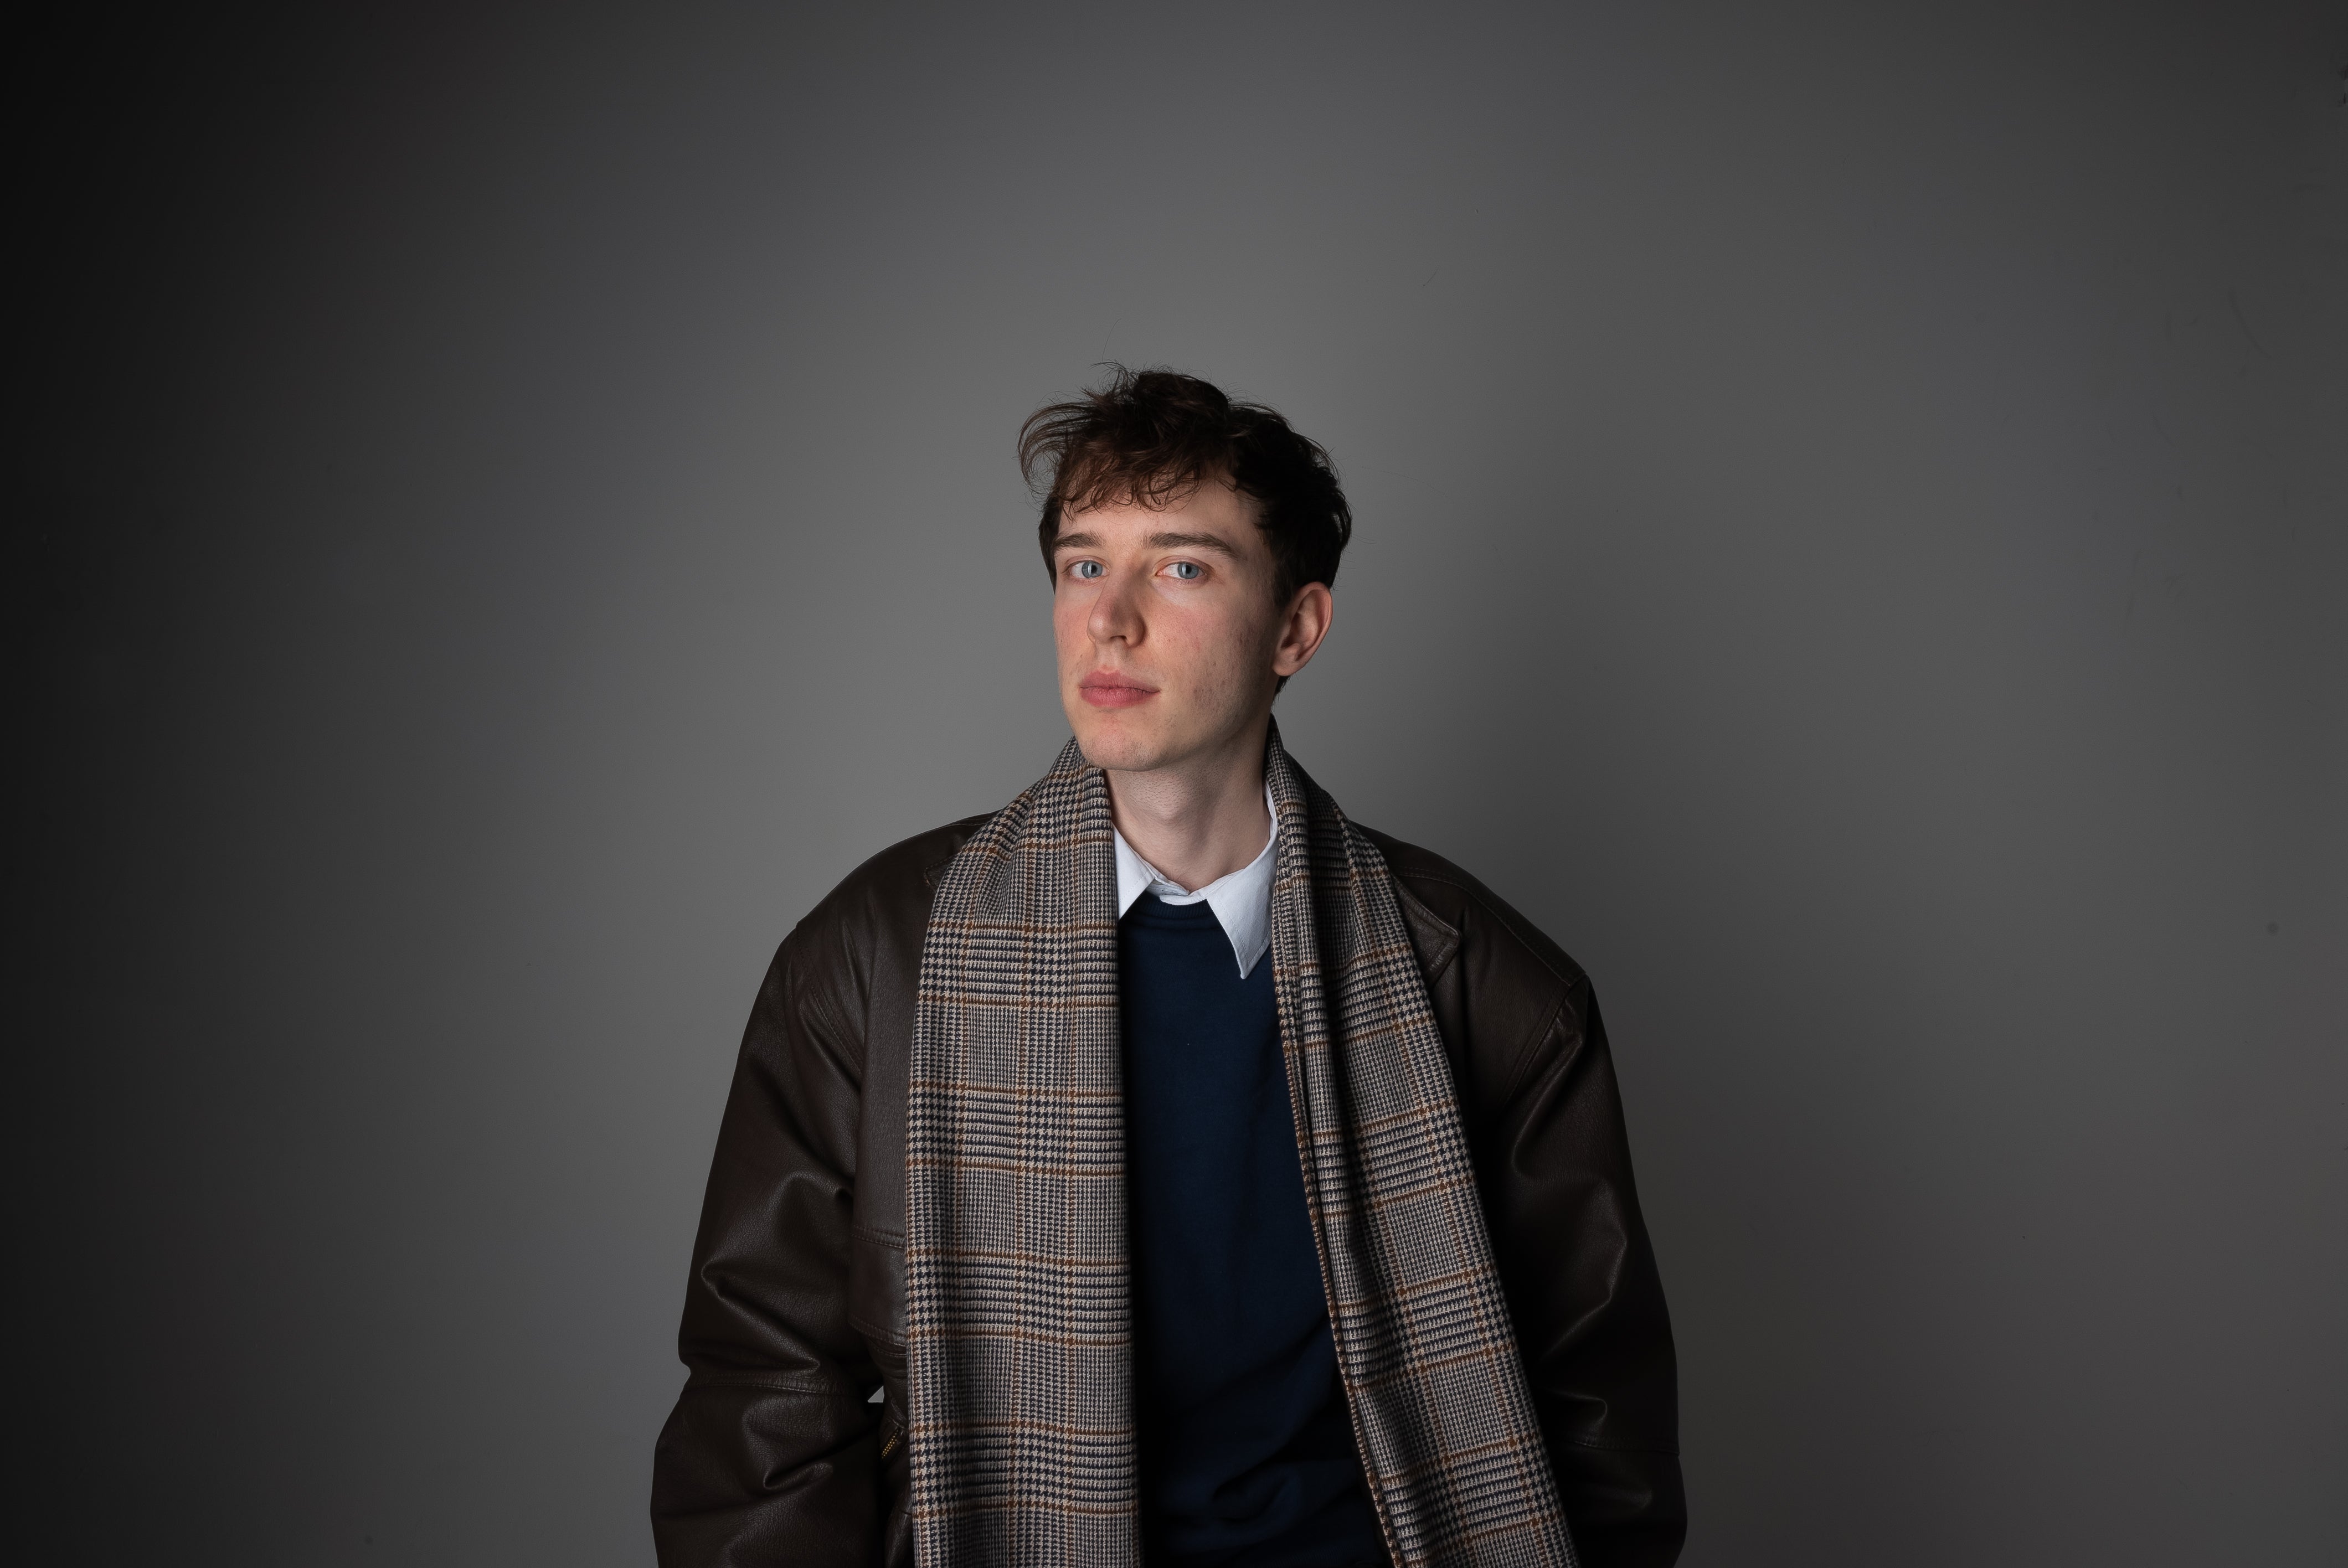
(1020, 1313)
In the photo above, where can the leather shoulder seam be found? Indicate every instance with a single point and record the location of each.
(1529, 1050)
(1450, 932)
(1568, 980)
(798, 993)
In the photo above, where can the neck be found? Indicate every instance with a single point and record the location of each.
(1202, 818)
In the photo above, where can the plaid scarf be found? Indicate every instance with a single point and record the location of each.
(1018, 1296)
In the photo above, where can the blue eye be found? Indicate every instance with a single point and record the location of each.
(1087, 569)
(1186, 570)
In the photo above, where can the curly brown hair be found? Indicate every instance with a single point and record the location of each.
(1152, 436)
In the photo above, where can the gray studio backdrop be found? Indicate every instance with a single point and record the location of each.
(1853, 541)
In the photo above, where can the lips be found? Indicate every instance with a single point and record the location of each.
(1103, 689)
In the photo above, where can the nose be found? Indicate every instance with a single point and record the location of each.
(1116, 614)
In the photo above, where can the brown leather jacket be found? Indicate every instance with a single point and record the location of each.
(781, 1452)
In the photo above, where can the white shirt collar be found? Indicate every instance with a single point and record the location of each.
(1241, 901)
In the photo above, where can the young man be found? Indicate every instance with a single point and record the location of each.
(1166, 1166)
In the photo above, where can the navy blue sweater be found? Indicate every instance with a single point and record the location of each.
(1246, 1448)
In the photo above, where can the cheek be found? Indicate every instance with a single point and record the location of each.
(1068, 626)
(1216, 649)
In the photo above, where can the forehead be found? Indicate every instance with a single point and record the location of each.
(1212, 511)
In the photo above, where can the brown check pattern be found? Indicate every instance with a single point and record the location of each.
(1021, 1349)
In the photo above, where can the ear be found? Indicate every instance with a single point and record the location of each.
(1302, 626)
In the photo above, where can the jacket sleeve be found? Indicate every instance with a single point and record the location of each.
(771, 1454)
(1586, 1297)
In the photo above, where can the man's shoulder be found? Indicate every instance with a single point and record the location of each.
(897, 883)
(912, 861)
(1476, 916)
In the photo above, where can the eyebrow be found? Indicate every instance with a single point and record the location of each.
(1155, 541)
(1190, 541)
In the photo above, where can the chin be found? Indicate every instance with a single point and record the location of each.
(1121, 747)
(1123, 754)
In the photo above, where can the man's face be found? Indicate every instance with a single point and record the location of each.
(1170, 643)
